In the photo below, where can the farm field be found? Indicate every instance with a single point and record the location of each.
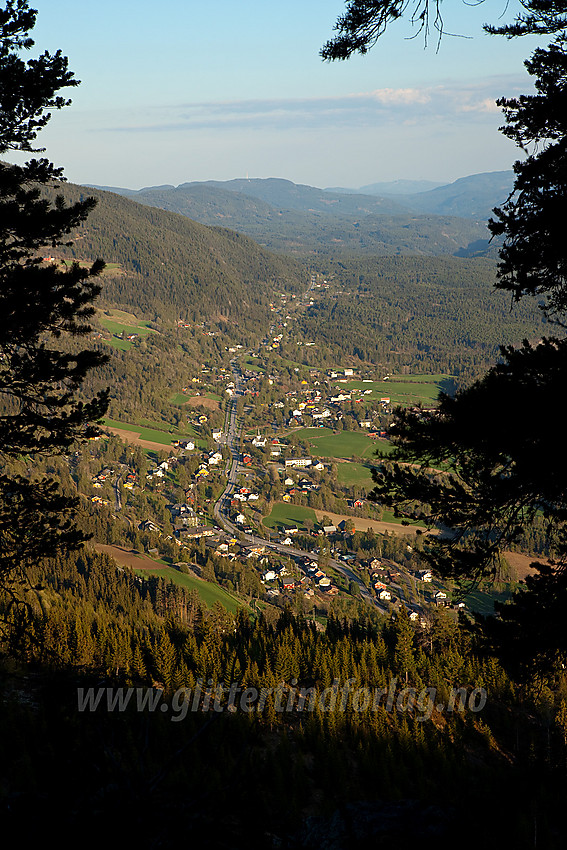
(325, 443)
(251, 364)
(482, 602)
(145, 433)
(403, 390)
(179, 398)
(363, 524)
(354, 473)
(144, 566)
(208, 592)
(120, 322)
(291, 516)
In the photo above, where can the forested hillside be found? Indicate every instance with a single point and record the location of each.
(425, 314)
(303, 220)
(301, 771)
(170, 267)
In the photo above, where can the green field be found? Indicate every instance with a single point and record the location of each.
(209, 593)
(404, 391)
(291, 516)
(482, 602)
(388, 516)
(354, 473)
(252, 365)
(120, 322)
(179, 398)
(153, 435)
(324, 443)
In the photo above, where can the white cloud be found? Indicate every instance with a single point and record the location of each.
(363, 109)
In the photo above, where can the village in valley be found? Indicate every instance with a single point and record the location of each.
(260, 494)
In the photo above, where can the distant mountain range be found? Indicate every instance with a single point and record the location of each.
(294, 218)
(392, 187)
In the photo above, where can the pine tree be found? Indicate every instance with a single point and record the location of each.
(41, 302)
(501, 470)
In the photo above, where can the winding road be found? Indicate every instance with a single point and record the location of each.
(233, 427)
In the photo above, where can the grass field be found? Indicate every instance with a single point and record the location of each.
(209, 593)
(324, 443)
(354, 473)
(186, 431)
(291, 516)
(482, 602)
(117, 322)
(143, 565)
(150, 434)
(388, 516)
(252, 365)
(179, 398)
(407, 390)
(182, 398)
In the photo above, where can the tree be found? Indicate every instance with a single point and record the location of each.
(41, 302)
(482, 468)
(365, 21)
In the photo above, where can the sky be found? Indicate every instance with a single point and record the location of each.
(177, 90)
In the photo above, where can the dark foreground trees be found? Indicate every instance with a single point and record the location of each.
(491, 461)
(41, 302)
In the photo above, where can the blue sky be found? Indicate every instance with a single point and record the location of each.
(178, 91)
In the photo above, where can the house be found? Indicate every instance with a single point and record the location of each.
(385, 595)
(269, 575)
(424, 575)
(217, 434)
(196, 532)
(299, 462)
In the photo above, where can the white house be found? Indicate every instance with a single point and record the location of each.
(299, 462)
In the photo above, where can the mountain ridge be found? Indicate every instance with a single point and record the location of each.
(297, 219)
